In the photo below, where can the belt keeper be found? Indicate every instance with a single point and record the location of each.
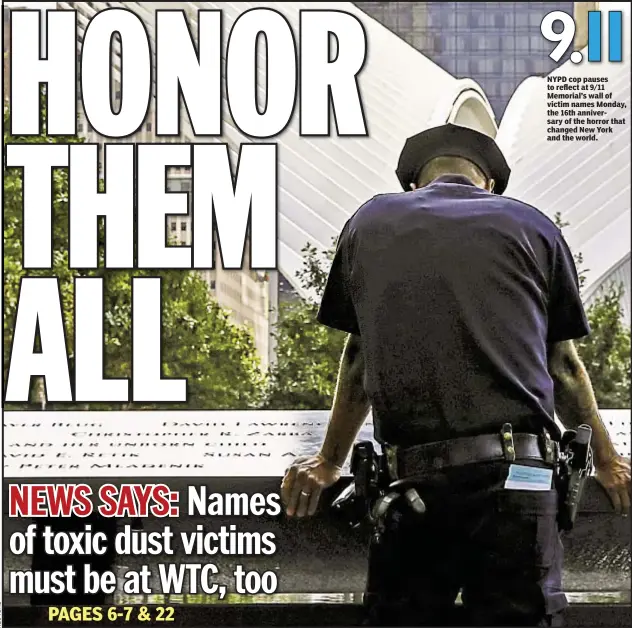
(391, 462)
(549, 451)
(509, 450)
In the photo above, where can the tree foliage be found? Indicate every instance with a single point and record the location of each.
(307, 353)
(199, 340)
(606, 351)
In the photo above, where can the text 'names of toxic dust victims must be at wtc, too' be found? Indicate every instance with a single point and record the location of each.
(182, 556)
(581, 109)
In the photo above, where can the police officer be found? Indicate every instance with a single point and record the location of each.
(461, 306)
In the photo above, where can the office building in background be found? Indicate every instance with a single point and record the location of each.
(498, 44)
(246, 293)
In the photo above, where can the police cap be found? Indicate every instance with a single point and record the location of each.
(451, 140)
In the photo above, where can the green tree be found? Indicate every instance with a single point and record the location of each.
(199, 340)
(307, 353)
(606, 351)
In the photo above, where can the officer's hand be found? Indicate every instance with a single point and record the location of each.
(615, 478)
(304, 482)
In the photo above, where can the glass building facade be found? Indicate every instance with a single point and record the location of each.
(497, 44)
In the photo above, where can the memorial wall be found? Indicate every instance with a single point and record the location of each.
(176, 444)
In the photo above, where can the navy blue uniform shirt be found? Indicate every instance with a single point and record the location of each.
(455, 293)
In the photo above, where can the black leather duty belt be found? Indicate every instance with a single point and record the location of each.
(424, 459)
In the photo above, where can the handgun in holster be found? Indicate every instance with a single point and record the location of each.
(576, 464)
(355, 502)
(368, 500)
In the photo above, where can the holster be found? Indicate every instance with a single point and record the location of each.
(355, 502)
(576, 464)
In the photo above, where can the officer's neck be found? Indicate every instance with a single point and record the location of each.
(459, 179)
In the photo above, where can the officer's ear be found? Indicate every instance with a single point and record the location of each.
(413, 187)
(491, 184)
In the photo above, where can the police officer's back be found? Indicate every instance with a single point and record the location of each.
(458, 301)
(448, 287)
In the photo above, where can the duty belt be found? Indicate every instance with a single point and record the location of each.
(422, 460)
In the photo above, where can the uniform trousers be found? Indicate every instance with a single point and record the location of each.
(499, 548)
